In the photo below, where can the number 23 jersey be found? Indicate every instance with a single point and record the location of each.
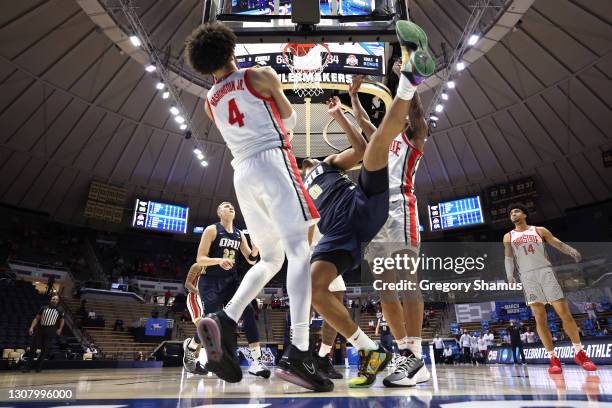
(249, 123)
(226, 245)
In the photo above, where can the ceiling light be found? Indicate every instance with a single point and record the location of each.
(473, 39)
(433, 124)
(174, 110)
(166, 95)
(160, 85)
(450, 84)
(439, 108)
(183, 126)
(204, 163)
(150, 68)
(135, 41)
(444, 96)
(200, 156)
(433, 117)
(197, 151)
(179, 119)
(460, 66)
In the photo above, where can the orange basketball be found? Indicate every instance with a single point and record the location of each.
(300, 50)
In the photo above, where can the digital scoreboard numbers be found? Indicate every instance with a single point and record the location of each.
(454, 214)
(156, 216)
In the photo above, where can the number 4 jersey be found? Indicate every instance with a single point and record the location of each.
(249, 123)
(529, 251)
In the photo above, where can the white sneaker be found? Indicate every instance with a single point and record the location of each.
(259, 369)
(409, 371)
(189, 357)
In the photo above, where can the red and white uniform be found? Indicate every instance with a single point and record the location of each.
(537, 276)
(194, 303)
(402, 226)
(270, 192)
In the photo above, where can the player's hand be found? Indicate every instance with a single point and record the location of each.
(333, 105)
(355, 85)
(576, 255)
(511, 279)
(31, 332)
(227, 264)
(397, 67)
(58, 332)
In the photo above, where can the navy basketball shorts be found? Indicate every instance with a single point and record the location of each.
(358, 226)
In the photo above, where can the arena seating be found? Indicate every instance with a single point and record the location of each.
(19, 303)
(116, 344)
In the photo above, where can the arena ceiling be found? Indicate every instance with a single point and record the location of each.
(75, 107)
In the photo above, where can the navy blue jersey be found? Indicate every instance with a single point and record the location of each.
(225, 245)
(332, 192)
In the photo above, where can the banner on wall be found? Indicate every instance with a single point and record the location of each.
(599, 349)
(512, 310)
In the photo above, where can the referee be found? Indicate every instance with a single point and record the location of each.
(47, 321)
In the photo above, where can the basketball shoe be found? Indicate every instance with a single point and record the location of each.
(409, 371)
(257, 367)
(371, 362)
(218, 335)
(417, 63)
(584, 361)
(326, 367)
(298, 367)
(555, 366)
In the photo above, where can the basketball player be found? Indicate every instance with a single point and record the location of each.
(352, 214)
(524, 248)
(253, 114)
(219, 280)
(400, 236)
(192, 346)
(324, 357)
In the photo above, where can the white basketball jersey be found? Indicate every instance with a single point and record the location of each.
(529, 251)
(404, 161)
(249, 123)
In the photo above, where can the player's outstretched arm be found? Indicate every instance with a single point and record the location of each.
(508, 259)
(209, 235)
(558, 244)
(348, 158)
(363, 120)
(250, 254)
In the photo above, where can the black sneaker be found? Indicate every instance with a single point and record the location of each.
(324, 364)
(218, 335)
(298, 367)
(199, 369)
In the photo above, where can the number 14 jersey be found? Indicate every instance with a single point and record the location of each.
(248, 122)
(529, 251)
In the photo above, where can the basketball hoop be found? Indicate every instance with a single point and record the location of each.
(306, 62)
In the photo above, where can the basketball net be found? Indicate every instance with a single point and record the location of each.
(306, 62)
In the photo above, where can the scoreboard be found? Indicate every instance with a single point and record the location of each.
(156, 216)
(456, 213)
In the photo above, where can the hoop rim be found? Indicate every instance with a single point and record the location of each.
(286, 49)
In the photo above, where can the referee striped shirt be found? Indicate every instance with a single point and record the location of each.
(49, 316)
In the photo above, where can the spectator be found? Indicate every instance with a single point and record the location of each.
(47, 321)
(530, 336)
(490, 339)
(93, 350)
(482, 348)
(449, 357)
(465, 344)
(383, 329)
(475, 353)
(515, 342)
(438, 348)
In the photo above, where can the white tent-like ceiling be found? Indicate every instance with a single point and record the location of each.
(76, 107)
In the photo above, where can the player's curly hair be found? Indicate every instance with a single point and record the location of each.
(209, 47)
(521, 207)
